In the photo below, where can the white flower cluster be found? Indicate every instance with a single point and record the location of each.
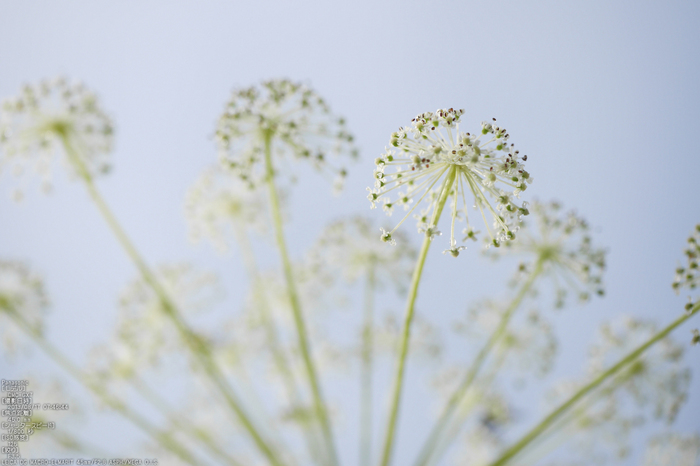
(21, 293)
(658, 377)
(144, 335)
(351, 246)
(294, 117)
(46, 117)
(217, 204)
(434, 160)
(673, 449)
(657, 380)
(561, 243)
(527, 345)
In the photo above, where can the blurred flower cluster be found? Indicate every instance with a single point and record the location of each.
(267, 374)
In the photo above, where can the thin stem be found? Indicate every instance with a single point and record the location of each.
(450, 408)
(300, 325)
(177, 421)
(163, 438)
(408, 319)
(274, 343)
(366, 375)
(199, 349)
(568, 404)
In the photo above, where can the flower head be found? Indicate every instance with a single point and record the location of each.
(351, 245)
(289, 115)
(144, 335)
(22, 296)
(560, 243)
(689, 276)
(529, 345)
(50, 116)
(658, 377)
(673, 449)
(656, 381)
(218, 204)
(434, 161)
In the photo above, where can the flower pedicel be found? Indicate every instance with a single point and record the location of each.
(436, 164)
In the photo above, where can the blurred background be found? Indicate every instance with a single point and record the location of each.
(602, 96)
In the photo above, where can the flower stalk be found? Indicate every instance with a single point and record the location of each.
(366, 372)
(563, 409)
(408, 319)
(300, 325)
(280, 359)
(163, 438)
(454, 401)
(198, 348)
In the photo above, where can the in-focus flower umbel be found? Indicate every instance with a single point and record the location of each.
(293, 118)
(54, 115)
(560, 243)
(434, 161)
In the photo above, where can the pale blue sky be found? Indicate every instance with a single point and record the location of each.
(602, 95)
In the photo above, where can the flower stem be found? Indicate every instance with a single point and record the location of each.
(199, 349)
(163, 438)
(274, 344)
(300, 325)
(571, 402)
(366, 376)
(408, 319)
(451, 407)
(180, 423)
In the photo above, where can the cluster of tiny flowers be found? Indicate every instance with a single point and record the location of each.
(22, 293)
(293, 118)
(217, 205)
(673, 449)
(426, 341)
(657, 380)
(529, 345)
(433, 160)
(144, 336)
(689, 276)
(352, 246)
(247, 335)
(46, 117)
(561, 243)
(658, 377)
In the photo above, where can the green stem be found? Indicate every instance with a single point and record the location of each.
(66, 364)
(464, 410)
(366, 375)
(183, 424)
(273, 338)
(300, 325)
(408, 319)
(196, 345)
(450, 408)
(561, 430)
(568, 404)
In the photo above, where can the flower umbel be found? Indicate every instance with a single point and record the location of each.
(436, 161)
(561, 243)
(287, 112)
(54, 114)
(217, 204)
